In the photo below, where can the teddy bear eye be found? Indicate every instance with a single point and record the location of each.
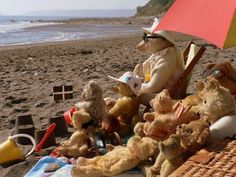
(205, 102)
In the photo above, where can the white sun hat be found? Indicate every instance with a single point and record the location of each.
(150, 31)
(129, 78)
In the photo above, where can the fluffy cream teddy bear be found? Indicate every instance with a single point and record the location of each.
(217, 101)
(118, 160)
(92, 101)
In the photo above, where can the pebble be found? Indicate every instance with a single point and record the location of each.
(39, 104)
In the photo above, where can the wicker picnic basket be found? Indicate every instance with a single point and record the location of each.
(218, 160)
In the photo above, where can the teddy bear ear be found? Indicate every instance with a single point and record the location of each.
(209, 65)
(166, 92)
(212, 83)
(199, 85)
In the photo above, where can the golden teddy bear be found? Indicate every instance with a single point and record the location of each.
(122, 114)
(118, 160)
(174, 151)
(77, 145)
(93, 102)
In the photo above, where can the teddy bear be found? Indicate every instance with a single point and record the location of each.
(92, 101)
(171, 156)
(118, 160)
(163, 68)
(77, 145)
(122, 114)
(224, 72)
(217, 101)
(174, 151)
(166, 116)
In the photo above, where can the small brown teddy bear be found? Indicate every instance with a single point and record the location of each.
(123, 115)
(118, 160)
(77, 145)
(93, 102)
(189, 138)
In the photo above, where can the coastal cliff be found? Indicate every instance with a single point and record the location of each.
(154, 8)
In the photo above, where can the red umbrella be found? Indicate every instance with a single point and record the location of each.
(212, 20)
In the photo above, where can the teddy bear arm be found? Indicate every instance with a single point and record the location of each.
(76, 138)
(120, 106)
(82, 105)
(138, 70)
(149, 116)
(138, 129)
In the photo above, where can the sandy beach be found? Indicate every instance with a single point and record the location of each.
(29, 72)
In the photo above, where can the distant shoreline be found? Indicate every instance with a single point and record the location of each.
(45, 31)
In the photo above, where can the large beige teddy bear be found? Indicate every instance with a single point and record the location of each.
(92, 101)
(77, 145)
(163, 68)
(118, 160)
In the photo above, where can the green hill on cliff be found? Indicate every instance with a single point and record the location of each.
(154, 7)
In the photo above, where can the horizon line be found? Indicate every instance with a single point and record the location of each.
(3, 14)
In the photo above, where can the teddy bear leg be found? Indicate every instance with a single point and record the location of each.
(167, 169)
(119, 167)
(151, 173)
(156, 168)
(86, 171)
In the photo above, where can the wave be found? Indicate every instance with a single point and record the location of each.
(19, 26)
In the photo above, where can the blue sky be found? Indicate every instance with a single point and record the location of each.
(16, 7)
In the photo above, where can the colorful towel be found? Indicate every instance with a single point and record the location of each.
(38, 169)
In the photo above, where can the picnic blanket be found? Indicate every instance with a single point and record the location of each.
(38, 169)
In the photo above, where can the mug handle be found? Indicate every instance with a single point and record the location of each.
(31, 139)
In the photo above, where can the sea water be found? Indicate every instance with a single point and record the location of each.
(16, 30)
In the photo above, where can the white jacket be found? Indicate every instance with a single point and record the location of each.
(165, 67)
